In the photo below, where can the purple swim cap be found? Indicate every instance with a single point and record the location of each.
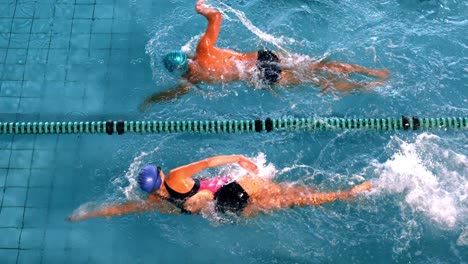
(149, 178)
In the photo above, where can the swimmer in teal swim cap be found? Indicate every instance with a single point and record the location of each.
(249, 195)
(176, 61)
(262, 69)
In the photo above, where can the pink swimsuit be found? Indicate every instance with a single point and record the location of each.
(213, 184)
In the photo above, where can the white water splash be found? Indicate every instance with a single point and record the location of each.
(266, 170)
(189, 47)
(432, 178)
(463, 238)
(278, 42)
(130, 191)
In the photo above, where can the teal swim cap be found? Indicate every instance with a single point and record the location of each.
(176, 61)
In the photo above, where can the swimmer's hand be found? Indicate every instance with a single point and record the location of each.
(204, 9)
(165, 96)
(200, 6)
(363, 187)
(77, 217)
(144, 106)
(248, 165)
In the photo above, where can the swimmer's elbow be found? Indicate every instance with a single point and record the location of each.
(218, 16)
(215, 17)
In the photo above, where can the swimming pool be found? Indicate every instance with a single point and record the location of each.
(98, 59)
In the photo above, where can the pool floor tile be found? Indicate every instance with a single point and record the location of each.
(9, 105)
(81, 26)
(40, 41)
(61, 26)
(44, 10)
(21, 158)
(18, 178)
(78, 256)
(78, 238)
(4, 40)
(45, 142)
(29, 256)
(32, 238)
(21, 25)
(104, 11)
(58, 218)
(101, 26)
(54, 257)
(80, 41)
(55, 73)
(41, 25)
(38, 197)
(61, 181)
(121, 27)
(16, 56)
(100, 41)
(11, 88)
(41, 178)
(74, 90)
(35, 73)
(24, 9)
(19, 40)
(35, 217)
(7, 10)
(8, 256)
(57, 56)
(14, 196)
(4, 158)
(61, 198)
(32, 89)
(3, 53)
(13, 72)
(5, 25)
(64, 10)
(60, 41)
(29, 105)
(11, 217)
(3, 177)
(84, 11)
(9, 238)
(37, 56)
(5, 144)
(55, 239)
(23, 142)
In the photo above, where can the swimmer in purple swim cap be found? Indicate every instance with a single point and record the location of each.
(246, 196)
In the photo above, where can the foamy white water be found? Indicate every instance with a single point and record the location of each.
(431, 177)
(463, 238)
(131, 175)
(189, 47)
(278, 42)
(266, 170)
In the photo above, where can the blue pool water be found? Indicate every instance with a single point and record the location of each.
(66, 60)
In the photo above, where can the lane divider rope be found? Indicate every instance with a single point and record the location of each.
(233, 126)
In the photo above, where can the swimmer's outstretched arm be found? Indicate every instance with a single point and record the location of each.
(153, 203)
(165, 96)
(195, 167)
(214, 25)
